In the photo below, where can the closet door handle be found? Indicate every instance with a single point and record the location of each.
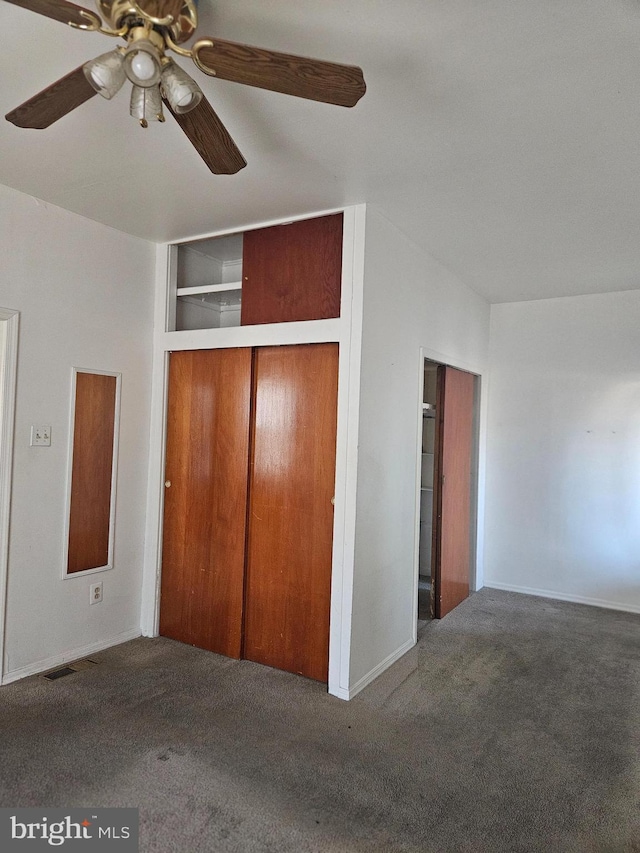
(167, 484)
(333, 501)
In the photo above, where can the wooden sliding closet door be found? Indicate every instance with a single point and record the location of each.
(289, 544)
(452, 479)
(206, 498)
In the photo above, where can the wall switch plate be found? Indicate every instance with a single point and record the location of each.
(95, 593)
(41, 436)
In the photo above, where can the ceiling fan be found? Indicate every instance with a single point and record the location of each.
(150, 28)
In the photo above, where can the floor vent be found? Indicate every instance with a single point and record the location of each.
(77, 666)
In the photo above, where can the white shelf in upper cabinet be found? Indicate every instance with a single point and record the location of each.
(209, 288)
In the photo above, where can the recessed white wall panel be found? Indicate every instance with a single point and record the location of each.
(563, 460)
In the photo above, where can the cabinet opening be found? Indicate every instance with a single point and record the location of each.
(277, 274)
(209, 283)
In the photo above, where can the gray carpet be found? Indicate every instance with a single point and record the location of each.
(513, 726)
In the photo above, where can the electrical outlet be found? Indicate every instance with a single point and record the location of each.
(95, 593)
(41, 436)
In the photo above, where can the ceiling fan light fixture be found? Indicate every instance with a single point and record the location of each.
(150, 28)
(146, 104)
(106, 73)
(142, 63)
(180, 90)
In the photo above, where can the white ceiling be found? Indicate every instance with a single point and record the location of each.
(502, 136)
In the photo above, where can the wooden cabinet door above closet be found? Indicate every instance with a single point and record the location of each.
(292, 272)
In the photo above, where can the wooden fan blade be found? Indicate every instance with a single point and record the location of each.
(59, 10)
(210, 138)
(281, 72)
(54, 102)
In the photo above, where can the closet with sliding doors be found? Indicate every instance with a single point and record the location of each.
(250, 456)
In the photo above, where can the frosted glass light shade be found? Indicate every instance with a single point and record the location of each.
(146, 104)
(106, 73)
(142, 64)
(181, 91)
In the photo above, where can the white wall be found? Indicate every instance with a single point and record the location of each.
(3, 336)
(85, 295)
(563, 459)
(410, 301)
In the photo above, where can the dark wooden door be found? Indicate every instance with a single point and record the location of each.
(206, 498)
(292, 272)
(452, 483)
(289, 543)
(92, 471)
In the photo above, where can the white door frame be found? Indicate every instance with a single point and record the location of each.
(8, 373)
(476, 578)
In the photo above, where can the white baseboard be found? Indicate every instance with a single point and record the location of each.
(344, 693)
(563, 596)
(340, 693)
(74, 654)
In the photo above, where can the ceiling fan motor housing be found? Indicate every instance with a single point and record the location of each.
(183, 12)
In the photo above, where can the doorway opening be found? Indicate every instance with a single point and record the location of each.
(427, 457)
(448, 491)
